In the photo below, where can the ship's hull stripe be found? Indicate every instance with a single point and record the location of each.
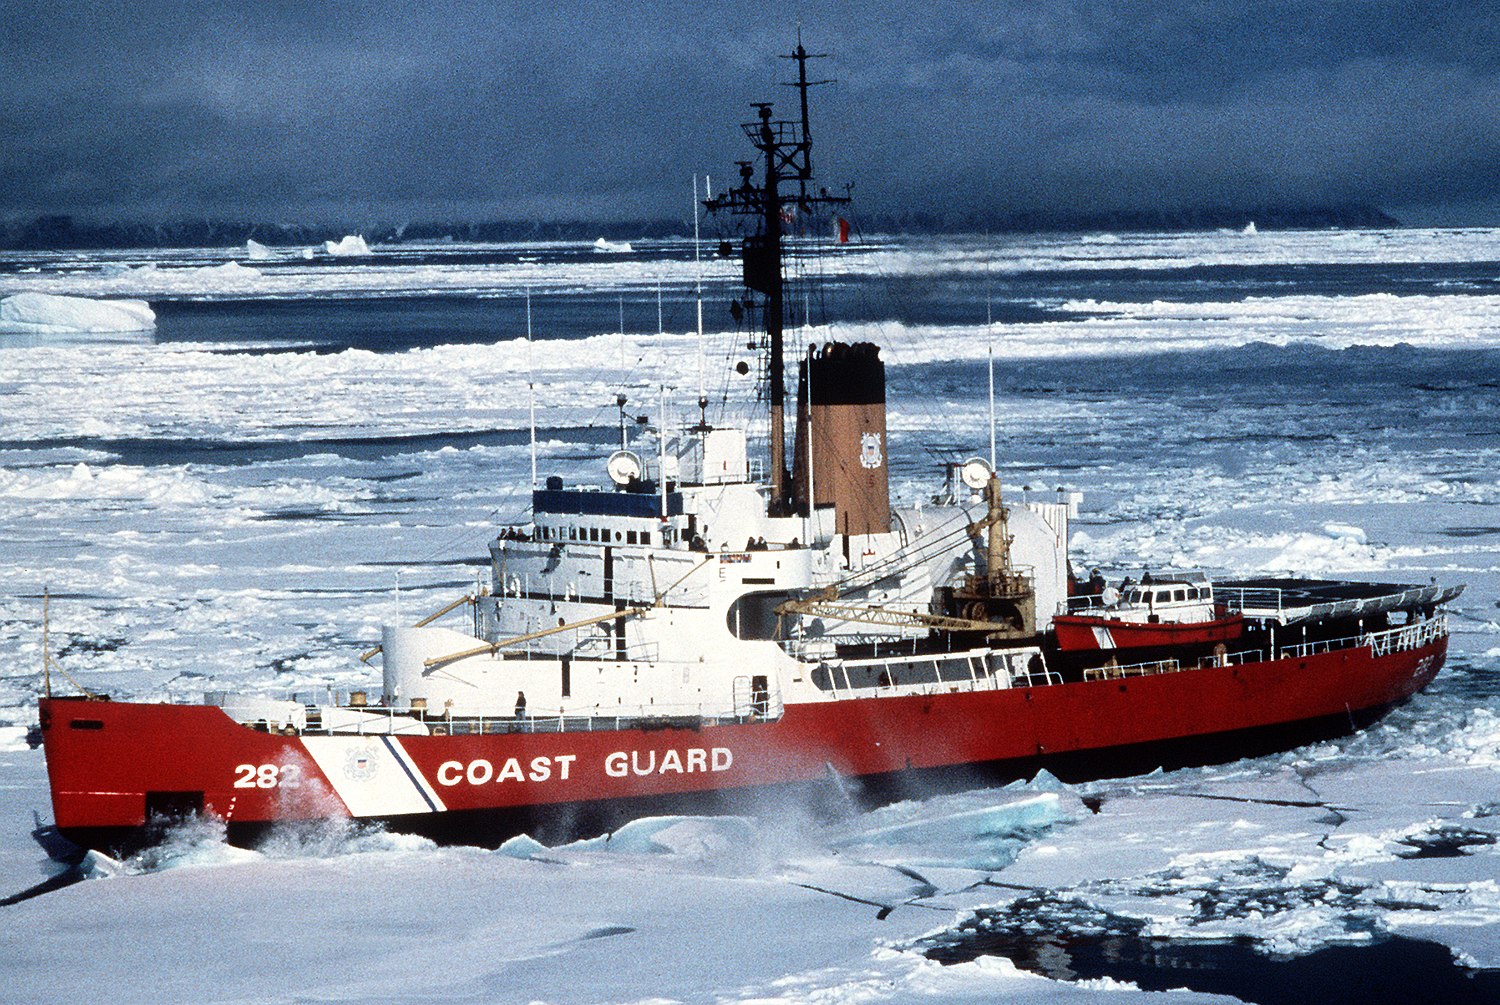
(404, 759)
(368, 775)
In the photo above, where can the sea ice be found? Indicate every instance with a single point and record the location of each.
(49, 314)
(695, 837)
(211, 923)
(953, 833)
(933, 257)
(524, 846)
(1345, 532)
(240, 516)
(232, 273)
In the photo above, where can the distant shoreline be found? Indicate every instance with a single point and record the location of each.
(64, 233)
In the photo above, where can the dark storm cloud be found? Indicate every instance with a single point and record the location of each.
(351, 112)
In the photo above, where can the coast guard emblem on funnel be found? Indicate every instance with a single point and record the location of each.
(869, 450)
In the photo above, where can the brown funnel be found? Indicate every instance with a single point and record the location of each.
(844, 432)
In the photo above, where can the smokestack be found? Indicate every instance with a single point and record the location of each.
(844, 423)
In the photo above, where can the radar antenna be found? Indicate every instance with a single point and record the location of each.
(786, 149)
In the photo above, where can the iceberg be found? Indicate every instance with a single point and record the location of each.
(612, 247)
(257, 252)
(351, 246)
(50, 314)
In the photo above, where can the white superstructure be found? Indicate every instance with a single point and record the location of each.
(631, 601)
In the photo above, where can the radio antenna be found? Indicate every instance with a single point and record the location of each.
(531, 386)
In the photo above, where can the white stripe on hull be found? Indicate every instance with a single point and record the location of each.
(373, 775)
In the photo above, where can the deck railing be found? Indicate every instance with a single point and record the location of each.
(1036, 678)
(1259, 599)
(1382, 643)
(381, 721)
(607, 647)
(1114, 672)
(1085, 603)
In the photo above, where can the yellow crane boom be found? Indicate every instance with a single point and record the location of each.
(815, 607)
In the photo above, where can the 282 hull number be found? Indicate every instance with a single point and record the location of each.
(267, 776)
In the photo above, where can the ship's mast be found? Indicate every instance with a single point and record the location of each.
(786, 149)
(775, 310)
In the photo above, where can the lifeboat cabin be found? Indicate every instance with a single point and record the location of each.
(1171, 610)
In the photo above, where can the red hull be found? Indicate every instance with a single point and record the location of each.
(1079, 632)
(109, 760)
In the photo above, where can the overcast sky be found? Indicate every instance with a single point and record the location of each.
(352, 112)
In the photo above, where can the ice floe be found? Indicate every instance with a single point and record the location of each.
(49, 314)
